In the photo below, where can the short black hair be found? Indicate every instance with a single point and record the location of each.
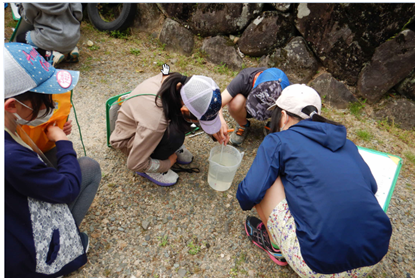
(37, 99)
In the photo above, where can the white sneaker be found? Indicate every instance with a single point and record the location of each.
(184, 156)
(162, 179)
(58, 57)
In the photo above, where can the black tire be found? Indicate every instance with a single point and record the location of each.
(122, 22)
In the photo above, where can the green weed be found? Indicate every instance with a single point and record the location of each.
(222, 69)
(407, 136)
(356, 108)
(233, 272)
(182, 62)
(162, 46)
(135, 51)
(364, 135)
(11, 24)
(194, 249)
(94, 47)
(164, 240)
(120, 34)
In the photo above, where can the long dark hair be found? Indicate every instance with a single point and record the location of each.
(171, 101)
(276, 118)
(37, 99)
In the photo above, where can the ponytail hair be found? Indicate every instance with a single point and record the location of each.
(310, 110)
(171, 101)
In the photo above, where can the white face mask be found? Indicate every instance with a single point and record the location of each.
(37, 121)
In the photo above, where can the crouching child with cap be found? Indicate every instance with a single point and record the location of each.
(314, 194)
(44, 205)
(249, 95)
(151, 124)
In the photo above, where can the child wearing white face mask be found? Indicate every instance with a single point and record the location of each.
(42, 116)
(44, 206)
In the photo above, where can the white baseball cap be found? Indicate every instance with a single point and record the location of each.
(296, 97)
(203, 98)
(26, 70)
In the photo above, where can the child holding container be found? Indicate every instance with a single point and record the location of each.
(314, 194)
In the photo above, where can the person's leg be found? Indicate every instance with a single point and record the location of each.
(237, 109)
(25, 38)
(273, 196)
(91, 176)
(170, 143)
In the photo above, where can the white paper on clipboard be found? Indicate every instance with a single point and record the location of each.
(385, 169)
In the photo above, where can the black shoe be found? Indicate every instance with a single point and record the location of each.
(257, 233)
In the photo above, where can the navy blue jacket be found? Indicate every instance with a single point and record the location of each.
(330, 193)
(35, 203)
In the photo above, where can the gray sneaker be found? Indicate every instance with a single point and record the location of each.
(184, 156)
(162, 179)
(239, 134)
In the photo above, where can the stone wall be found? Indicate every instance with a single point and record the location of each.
(366, 50)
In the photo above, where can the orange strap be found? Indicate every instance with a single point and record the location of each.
(256, 77)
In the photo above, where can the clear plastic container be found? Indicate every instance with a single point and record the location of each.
(223, 166)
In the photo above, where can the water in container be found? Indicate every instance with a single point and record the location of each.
(224, 161)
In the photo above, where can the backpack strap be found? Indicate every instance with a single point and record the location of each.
(256, 77)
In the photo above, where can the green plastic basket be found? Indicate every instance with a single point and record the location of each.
(109, 103)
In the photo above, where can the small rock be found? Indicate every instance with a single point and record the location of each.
(145, 224)
(182, 272)
(90, 43)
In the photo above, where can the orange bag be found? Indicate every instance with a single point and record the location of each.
(60, 116)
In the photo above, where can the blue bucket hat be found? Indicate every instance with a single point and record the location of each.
(26, 70)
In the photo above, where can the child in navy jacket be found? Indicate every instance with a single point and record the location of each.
(44, 206)
(314, 193)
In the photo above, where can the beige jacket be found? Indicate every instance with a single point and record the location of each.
(140, 126)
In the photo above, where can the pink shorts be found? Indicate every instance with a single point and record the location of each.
(282, 228)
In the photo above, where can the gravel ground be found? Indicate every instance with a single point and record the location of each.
(142, 230)
(138, 229)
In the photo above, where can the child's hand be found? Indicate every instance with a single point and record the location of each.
(222, 136)
(54, 133)
(67, 127)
